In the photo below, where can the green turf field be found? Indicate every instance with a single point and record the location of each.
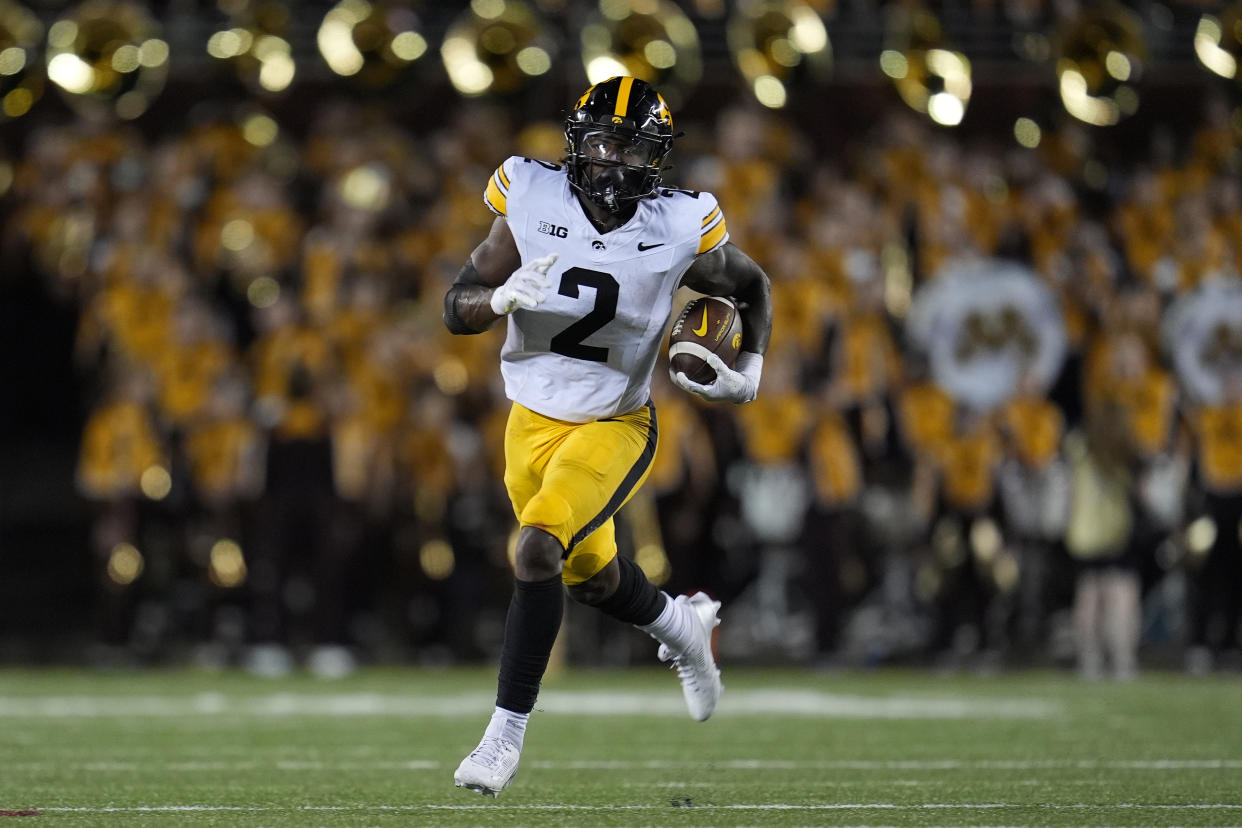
(615, 749)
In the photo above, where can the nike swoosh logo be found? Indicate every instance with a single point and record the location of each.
(701, 330)
(642, 247)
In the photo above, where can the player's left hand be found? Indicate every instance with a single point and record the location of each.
(735, 386)
(526, 287)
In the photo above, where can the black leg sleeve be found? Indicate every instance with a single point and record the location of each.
(530, 631)
(636, 600)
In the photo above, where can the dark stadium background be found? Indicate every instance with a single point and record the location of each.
(49, 588)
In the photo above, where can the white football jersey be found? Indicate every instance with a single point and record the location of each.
(589, 350)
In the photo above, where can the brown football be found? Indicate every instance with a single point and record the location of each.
(708, 323)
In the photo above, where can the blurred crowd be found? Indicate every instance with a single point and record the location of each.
(287, 456)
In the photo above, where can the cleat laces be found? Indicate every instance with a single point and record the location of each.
(489, 753)
(686, 672)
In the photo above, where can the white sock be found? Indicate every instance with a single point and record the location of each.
(507, 725)
(673, 627)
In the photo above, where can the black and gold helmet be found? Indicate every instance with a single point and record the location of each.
(618, 135)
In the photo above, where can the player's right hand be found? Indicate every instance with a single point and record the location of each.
(527, 287)
(741, 386)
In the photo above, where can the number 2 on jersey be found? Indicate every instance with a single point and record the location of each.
(569, 341)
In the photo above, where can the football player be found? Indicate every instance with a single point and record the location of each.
(582, 261)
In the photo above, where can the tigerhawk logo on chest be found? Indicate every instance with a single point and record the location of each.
(551, 229)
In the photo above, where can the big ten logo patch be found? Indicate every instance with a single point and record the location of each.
(553, 229)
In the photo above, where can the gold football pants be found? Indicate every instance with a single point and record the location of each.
(569, 479)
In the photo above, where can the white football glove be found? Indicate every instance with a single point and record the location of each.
(526, 287)
(735, 386)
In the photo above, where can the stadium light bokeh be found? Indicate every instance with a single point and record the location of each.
(496, 46)
(257, 46)
(108, 55)
(1100, 54)
(776, 43)
(930, 75)
(372, 42)
(21, 84)
(1218, 41)
(649, 39)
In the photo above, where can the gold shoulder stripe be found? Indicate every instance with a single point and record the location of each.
(623, 97)
(495, 197)
(710, 217)
(499, 178)
(713, 237)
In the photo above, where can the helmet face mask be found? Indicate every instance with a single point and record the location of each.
(618, 135)
(612, 147)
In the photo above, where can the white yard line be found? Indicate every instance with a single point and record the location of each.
(131, 766)
(763, 806)
(737, 703)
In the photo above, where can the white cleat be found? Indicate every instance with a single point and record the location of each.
(490, 768)
(696, 667)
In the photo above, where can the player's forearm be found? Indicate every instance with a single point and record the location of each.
(467, 304)
(756, 322)
(754, 295)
